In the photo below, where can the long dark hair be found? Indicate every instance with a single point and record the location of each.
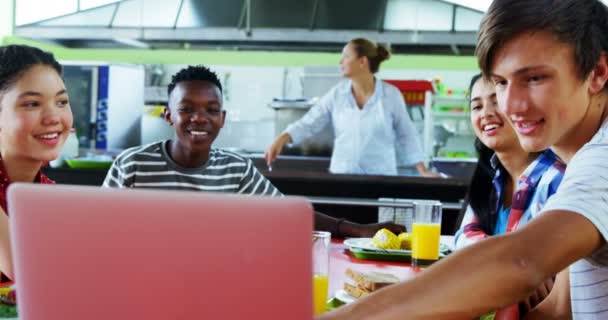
(481, 195)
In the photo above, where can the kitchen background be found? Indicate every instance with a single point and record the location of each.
(249, 91)
(120, 56)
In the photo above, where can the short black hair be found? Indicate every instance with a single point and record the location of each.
(17, 59)
(194, 73)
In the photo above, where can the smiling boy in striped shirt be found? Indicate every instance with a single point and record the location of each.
(188, 162)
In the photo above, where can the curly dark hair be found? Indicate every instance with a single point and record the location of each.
(17, 59)
(194, 73)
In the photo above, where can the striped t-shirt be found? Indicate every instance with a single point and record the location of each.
(584, 190)
(150, 166)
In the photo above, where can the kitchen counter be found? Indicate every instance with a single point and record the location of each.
(87, 177)
(307, 176)
(291, 163)
(292, 174)
(459, 168)
(344, 185)
(321, 184)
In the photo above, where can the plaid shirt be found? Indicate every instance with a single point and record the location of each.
(536, 184)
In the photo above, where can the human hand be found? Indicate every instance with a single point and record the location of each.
(536, 297)
(275, 148)
(271, 154)
(431, 174)
(369, 230)
(425, 172)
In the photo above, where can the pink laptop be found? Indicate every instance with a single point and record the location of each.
(98, 254)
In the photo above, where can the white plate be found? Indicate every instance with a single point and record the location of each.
(368, 244)
(344, 296)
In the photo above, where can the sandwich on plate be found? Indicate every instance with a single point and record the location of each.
(367, 282)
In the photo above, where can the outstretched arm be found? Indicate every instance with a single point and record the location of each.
(441, 291)
(345, 228)
(275, 148)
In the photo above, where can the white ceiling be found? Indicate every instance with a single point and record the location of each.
(29, 11)
(47, 9)
(482, 5)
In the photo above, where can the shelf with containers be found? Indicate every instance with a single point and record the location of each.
(453, 133)
(446, 131)
(418, 98)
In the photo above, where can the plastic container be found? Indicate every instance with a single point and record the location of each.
(70, 148)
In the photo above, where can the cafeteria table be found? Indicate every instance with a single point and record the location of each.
(340, 258)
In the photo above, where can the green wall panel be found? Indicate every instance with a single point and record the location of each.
(257, 58)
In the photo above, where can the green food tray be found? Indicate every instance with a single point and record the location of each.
(334, 303)
(381, 256)
(389, 256)
(8, 311)
(88, 164)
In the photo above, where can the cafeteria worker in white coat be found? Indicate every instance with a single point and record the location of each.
(373, 132)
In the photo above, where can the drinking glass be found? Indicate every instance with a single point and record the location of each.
(320, 270)
(426, 232)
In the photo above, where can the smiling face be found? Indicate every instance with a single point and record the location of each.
(195, 109)
(35, 116)
(490, 126)
(538, 87)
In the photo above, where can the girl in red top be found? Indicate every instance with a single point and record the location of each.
(35, 120)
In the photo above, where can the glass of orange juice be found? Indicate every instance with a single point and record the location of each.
(320, 270)
(426, 231)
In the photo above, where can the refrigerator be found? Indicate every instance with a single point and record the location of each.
(107, 102)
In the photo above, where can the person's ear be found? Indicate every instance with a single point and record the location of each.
(599, 75)
(167, 116)
(364, 62)
(223, 118)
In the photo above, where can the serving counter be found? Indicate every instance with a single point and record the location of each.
(308, 178)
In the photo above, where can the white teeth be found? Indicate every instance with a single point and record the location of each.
(49, 136)
(490, 127)
(527, 124)
(198, 133)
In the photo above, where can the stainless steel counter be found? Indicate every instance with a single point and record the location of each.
(454, 167)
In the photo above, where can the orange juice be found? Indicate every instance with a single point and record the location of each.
(319, 287)
(425, 241)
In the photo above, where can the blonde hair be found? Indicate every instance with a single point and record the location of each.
(375, 53)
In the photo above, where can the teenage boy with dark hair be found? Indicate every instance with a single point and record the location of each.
(188, 162)
(549, 62)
